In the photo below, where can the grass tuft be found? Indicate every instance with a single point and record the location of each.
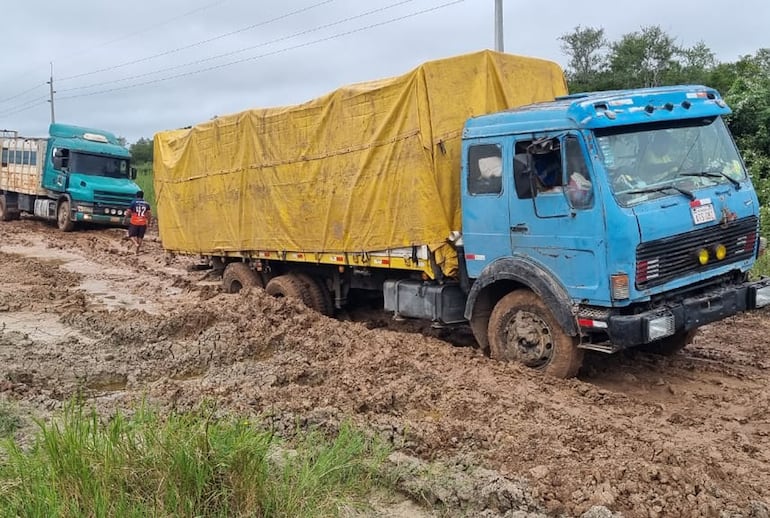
(191, 464)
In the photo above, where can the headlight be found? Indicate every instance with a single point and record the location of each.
(120, 213)
(762, 297)
(703, 256)
(106, 211)
(113, 211)
(660, 327)
(720, 252)
(85, 209)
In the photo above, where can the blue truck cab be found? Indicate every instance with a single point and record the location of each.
(76, 174)
(605, 221)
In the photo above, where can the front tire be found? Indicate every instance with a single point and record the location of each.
(63, 220)
(523, 329)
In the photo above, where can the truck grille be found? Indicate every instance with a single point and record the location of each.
(112, 199)
(660, 261)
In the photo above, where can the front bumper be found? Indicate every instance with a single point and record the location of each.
(99, 218)
(689, 313)
(100, 215)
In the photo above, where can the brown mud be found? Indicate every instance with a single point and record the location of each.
(634, 434)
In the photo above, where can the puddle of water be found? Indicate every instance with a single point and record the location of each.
(101, 289)
(40, 327)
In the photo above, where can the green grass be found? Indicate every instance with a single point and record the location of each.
(762, 266)
(144, 180)
(9, 420)
(191, 464)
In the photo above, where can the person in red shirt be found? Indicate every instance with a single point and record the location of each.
(138, 215)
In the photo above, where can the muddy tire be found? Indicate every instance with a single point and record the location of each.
(238, 276)
(288, 286)
(5, 214)
(63, 220)
(522, 329)
(317, 296)
(670, 345)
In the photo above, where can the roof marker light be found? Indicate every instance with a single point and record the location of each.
(686, 105)
(649, 108)
(669, 106)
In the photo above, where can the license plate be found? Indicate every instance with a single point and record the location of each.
(703, 213)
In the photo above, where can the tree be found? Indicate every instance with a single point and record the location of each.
(749, 98)
(697, 63)
(141, 151)
(585, 48)
(643, 58)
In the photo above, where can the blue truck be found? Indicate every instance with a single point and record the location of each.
(646, 232)
(594, 221)
(74, 175)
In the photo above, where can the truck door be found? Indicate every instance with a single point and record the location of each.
(556, 217)
(486, 185)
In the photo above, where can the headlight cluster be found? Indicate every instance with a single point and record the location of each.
(113, 212)
(717, 252)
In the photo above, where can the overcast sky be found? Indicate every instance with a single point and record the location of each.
(139, 67)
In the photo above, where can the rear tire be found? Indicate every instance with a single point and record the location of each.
(523, 329)
(288, 286)
(318, 297)
(63, 220)
(670, 345)
(5, 214)
(238, 276)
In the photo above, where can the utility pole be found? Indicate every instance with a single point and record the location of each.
(50, 82)
(499, 26)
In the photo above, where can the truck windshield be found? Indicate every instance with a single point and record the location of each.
(642, 161)
(98, 165)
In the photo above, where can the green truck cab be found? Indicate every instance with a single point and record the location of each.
(75, 174)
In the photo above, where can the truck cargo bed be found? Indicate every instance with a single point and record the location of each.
(369, 167)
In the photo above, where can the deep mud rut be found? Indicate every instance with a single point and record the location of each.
(637, 434)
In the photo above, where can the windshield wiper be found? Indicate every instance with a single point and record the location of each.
(662, 188)
(716, 174)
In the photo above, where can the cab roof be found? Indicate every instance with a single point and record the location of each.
(592, 110)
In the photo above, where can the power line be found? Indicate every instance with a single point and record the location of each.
(197, 43)
(5, 100)
(110, 42)
(239, 51)
(147, 29)
(24, 107)
(286, 49)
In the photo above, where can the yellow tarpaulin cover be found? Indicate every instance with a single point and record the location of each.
(368, 167)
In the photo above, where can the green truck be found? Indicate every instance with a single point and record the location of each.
(74, 175)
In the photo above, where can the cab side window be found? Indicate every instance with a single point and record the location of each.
(579, 188)
(546, 174)
(485, 169)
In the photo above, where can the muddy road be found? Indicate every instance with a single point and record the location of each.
(638, 434)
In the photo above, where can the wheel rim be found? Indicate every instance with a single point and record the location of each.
(529, 340)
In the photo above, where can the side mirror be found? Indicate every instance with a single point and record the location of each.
(132, 173)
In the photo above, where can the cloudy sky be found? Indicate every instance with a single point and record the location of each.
(139, 67)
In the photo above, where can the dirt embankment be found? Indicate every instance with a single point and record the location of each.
(640, 435)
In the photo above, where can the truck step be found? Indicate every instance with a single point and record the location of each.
(602, 348)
